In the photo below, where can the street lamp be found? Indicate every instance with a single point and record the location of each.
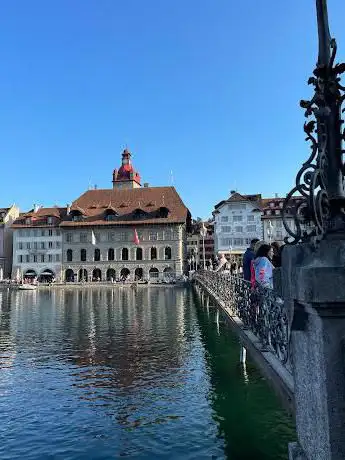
(320, 179)
(203, 233)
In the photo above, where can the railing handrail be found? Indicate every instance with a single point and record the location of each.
(260, 309)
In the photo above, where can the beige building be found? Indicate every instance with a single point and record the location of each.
(127, 232)
(7, 216)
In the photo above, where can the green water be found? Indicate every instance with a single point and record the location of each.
(106, 373)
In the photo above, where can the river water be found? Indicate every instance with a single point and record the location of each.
(105, 373)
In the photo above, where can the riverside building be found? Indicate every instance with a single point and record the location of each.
(37, 244)
(130, 232)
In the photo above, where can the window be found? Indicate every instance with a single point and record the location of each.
(83, 237)
(167, 234)
(28, 245)
(20, 259)
(238, 241)
(153, 236)
(224, 219)
(35, 245)
(69, 255)
(97, 256)
(20, 245)
(50, 232)
(239, 229)
(250, 218)
(237, 218)
(28, 221)
(167, 253)
(83, 255)
(139, 254)
(226, 242)
(153, 253)
(35, 258)
(49, 221)
(111, 254)
(251, 228)
(271, 204)
(111, 236)
(58, 245)
(279, 235)
(279, 224)
(27, 257)
(42, 257)
(124, 254)
(43, 232)
(57, 232)
(226, 228)
(281, 204)
(42, 244)
(69, 237)
(97, 237)
(277, 212)
(123, 236)
(50, 258)
(50, 244)
(35, 232)
(57, 257)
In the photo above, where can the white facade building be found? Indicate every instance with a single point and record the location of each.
(237, 222)
(37, 245)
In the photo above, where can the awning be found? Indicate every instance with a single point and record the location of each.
(30, 273)
(47, 274)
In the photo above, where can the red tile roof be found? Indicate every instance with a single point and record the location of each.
(125, 202)
(39, 217)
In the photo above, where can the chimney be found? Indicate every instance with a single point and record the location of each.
(232, 192)
(68, 206)
(146, 184)
(276, 195)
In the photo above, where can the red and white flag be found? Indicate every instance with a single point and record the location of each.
(136, 237)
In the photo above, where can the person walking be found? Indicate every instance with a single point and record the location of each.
(263, 266)
(248, 257)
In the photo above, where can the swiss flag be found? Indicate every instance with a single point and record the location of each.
(136, 237)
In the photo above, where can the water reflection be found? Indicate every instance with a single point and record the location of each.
(99, 373)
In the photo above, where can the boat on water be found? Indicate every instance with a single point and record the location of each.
(27, 287)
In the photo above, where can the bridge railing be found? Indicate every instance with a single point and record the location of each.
(261, 310)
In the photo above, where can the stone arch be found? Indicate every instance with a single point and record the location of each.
(111, 274)
(46, 276)
(31, 274)
(154, 273)
(168, 274)
(124, 274)
(83, 275)
(96, 274)
(138, 274)
(69, 275)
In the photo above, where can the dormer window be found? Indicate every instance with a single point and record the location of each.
(272, 204)
(77, 215)
(163, 212)
(139, 213)
(110, 214)
(50, 220)
(28, 221)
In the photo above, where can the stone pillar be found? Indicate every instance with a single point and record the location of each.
(313, 281)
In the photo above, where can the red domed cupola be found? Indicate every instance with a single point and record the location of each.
(126, 176)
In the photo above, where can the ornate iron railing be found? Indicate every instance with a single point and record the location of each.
(260, 310)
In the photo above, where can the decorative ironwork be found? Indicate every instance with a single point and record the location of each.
(261, 310)
(320, 181)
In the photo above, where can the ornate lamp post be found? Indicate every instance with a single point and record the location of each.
(320, 181)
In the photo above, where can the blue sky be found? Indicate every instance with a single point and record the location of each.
(206, 88)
